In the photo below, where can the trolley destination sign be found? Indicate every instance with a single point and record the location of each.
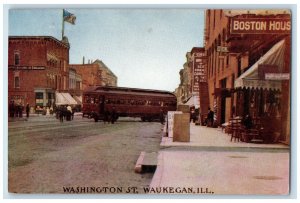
(260, 25)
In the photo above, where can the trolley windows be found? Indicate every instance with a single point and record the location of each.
(130, 101)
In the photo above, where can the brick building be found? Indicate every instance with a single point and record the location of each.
(95, 73)
(193, 90)
(243, 47)
(37, 69)
(108, 78)
(75, 85)
(90, 73)
(184, 90)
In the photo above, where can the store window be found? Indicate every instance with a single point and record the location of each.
(39, 98)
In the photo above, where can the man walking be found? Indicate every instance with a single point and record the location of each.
(27, 110)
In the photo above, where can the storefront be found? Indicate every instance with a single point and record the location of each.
(44, 97)
(263, 92)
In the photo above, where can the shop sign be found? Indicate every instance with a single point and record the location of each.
(200, 54)
(277, 76)
(27, 67)
(199, 73)
(260, 26)
(222, 49)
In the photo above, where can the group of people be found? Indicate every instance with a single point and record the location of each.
(64, 112)
(16, 110)
(110, 116)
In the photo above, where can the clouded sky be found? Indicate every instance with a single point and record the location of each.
(145, 48)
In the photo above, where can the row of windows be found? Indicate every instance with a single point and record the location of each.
(54, 82)
(62, 64)
(94, 100)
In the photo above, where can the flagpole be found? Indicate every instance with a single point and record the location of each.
(63, 26)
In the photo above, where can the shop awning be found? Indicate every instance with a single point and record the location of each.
(193, 101)
(78, 99)
(64, 99)
(252, 79)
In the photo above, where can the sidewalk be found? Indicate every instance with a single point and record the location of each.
(211, 164)
(202, 136)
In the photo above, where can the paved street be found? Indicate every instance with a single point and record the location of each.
(46, 155)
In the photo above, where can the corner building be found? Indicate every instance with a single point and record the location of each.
(37, 69)
(248, 71)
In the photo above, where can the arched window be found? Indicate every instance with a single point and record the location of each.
(17, 82)
(17, 58)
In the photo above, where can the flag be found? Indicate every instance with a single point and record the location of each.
(69, 17)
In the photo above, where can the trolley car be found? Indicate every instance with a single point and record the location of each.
(147, 104)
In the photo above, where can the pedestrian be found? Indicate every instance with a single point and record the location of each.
(113, 115)
(192, 117)
(106, 114)
(247, 122)
(210, 118)
(11, 109)
(27, 110)
(61, 113)
(19, 111)
(51, 110)
(69, 112)
(73, 112)
(162, 117)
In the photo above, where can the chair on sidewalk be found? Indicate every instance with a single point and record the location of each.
(235, 128)
(252, 133)
(249, 134)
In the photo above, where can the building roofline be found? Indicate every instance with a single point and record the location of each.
(105, 66)
(39, 37)
(197, 49)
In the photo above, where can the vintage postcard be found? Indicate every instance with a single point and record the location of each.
(149, 101)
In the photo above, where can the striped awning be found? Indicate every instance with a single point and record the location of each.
(251, 79)
(78, 99)
(64, 99)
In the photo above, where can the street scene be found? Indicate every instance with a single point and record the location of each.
(149, 101)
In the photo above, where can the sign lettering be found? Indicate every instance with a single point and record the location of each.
(260, 25)
(27, 67)
(277, 76)
(199, 73)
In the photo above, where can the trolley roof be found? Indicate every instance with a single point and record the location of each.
(127, 90)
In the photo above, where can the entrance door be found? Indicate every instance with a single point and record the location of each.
(223, 100)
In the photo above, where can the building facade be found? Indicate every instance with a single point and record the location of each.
(248, 65)
(193, 89)
(184, 90)
(199, 81)
(75, 85)
(90, 74)
(95, 73)
(37, 68)
(108, 78)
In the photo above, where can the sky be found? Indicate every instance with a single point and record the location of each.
(145, 48)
